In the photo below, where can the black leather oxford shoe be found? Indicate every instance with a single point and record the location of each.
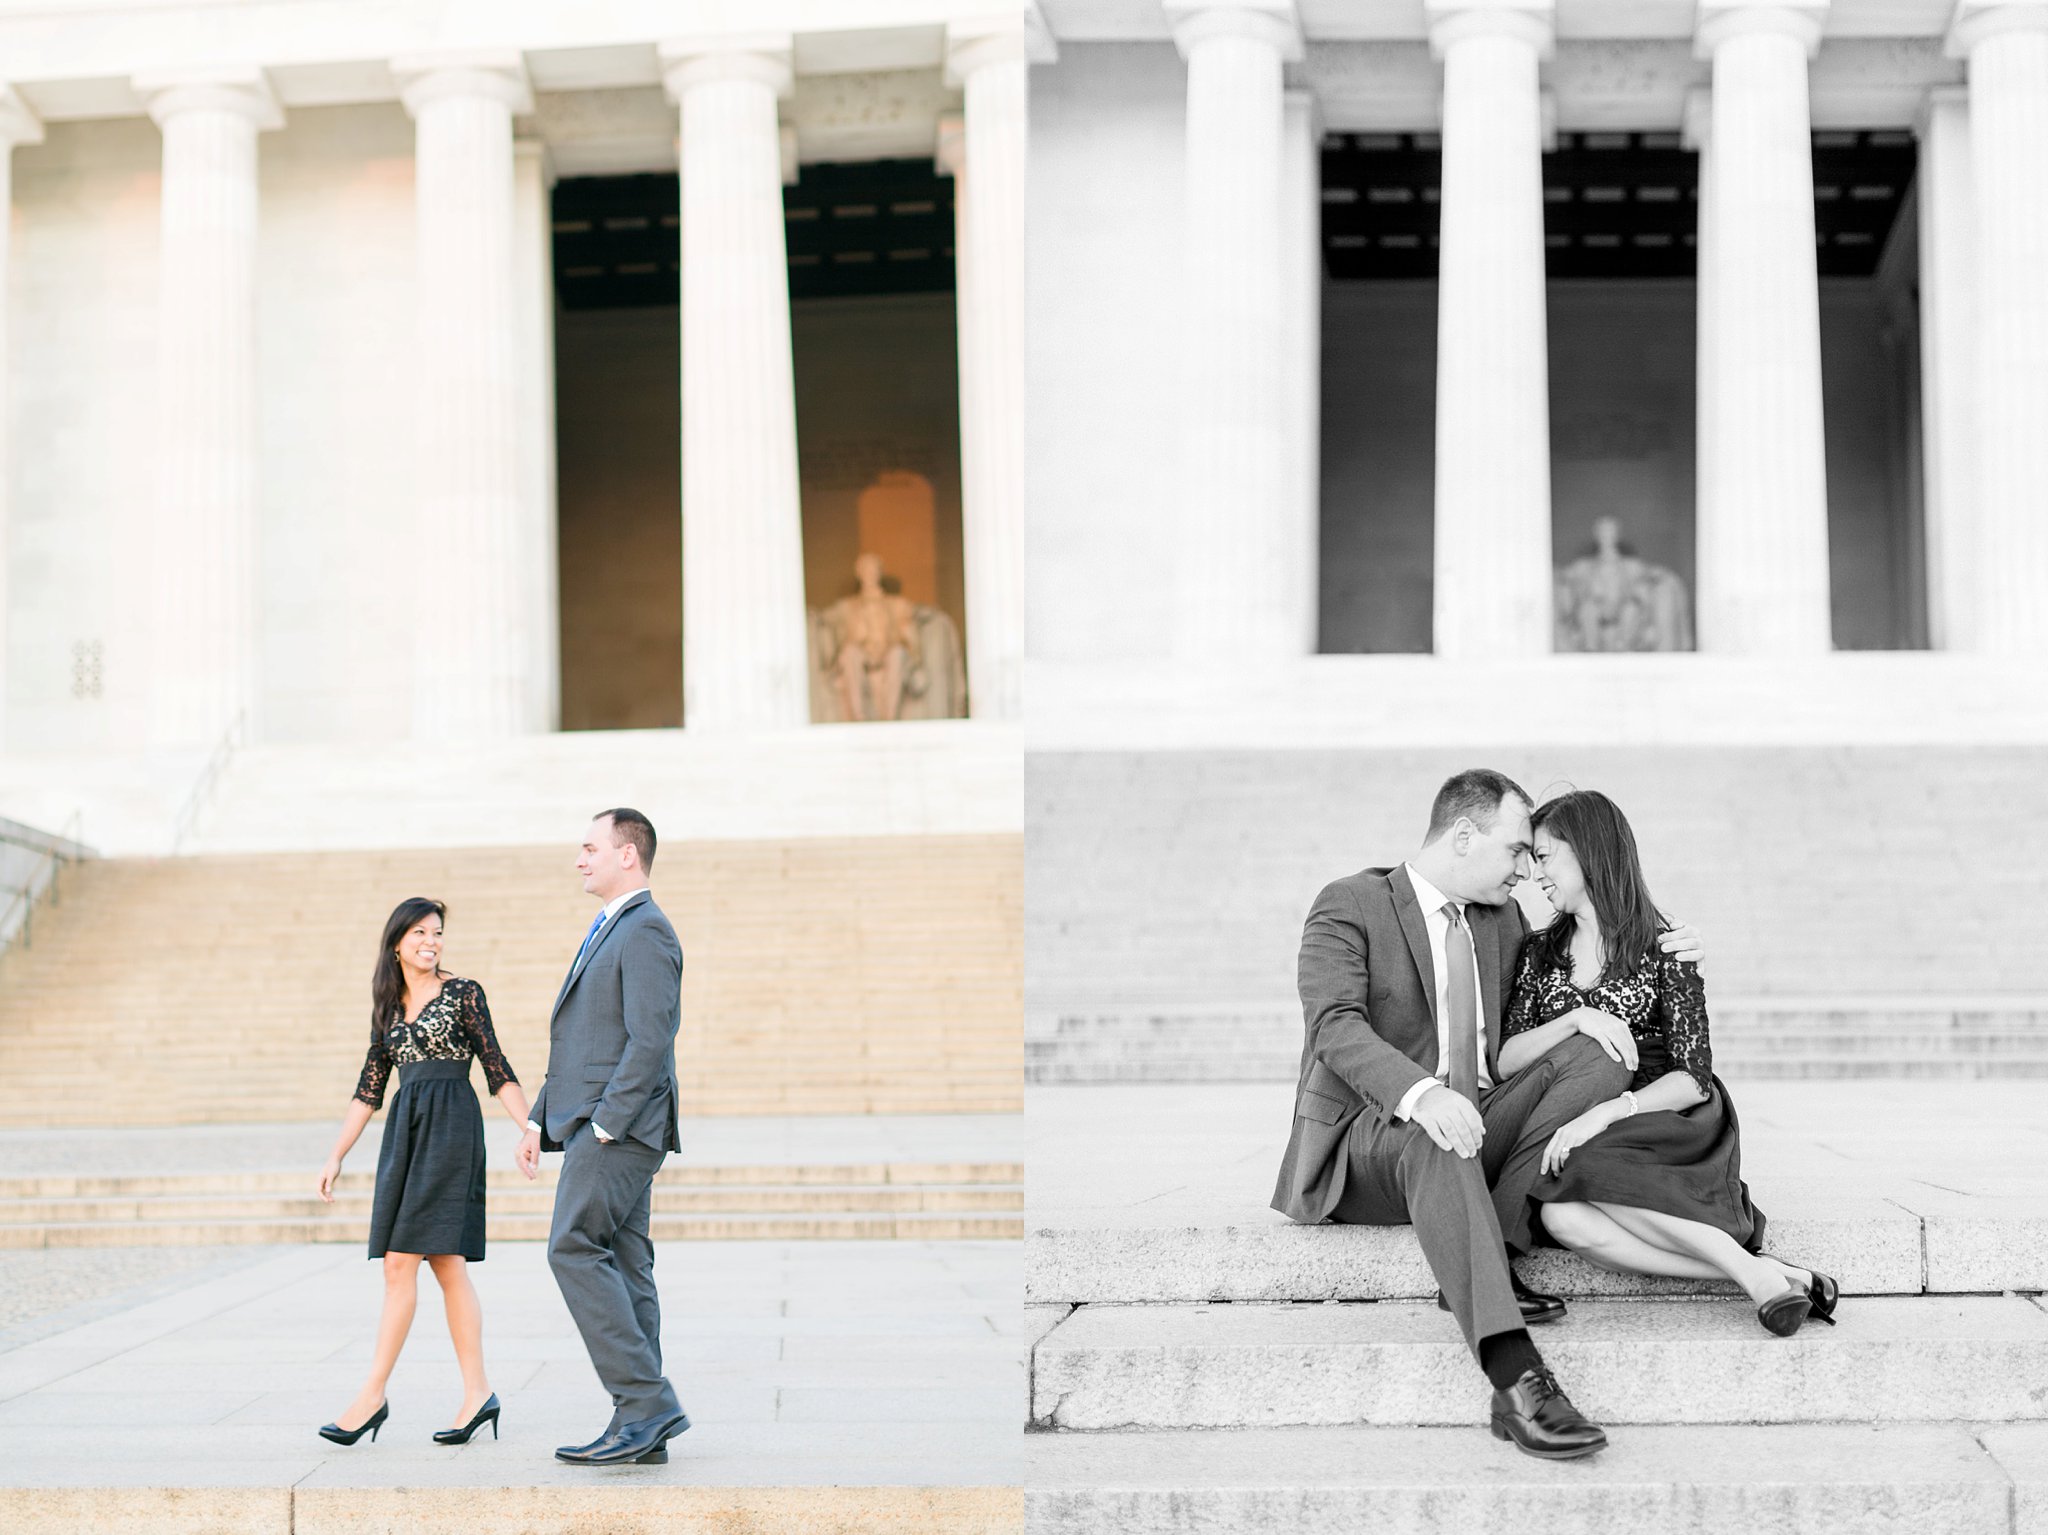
(640, 1441)
(1541, 1420)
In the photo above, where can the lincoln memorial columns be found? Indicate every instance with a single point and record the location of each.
(2007, 49)
(1493, 554)
(1947, 372)
(18, 125)
(985, 154)
(1763, 521)
(744, 647)
(203, 539)
(472, 675)
(1237, 596)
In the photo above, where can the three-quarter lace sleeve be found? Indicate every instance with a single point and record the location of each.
(376, 1072)
(1521, 1013)
(1682, 1007)
(475, 1013)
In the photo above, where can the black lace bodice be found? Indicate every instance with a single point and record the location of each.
(1664, 1005)
(453, 1027)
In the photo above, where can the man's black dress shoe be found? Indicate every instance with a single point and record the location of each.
(1541, 1420)
(1536, 1309)
(636, 1441)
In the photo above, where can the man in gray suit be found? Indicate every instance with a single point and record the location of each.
(609, 1103)
(1402, 1116)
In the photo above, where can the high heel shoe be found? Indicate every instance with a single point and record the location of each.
(1782, 1314)
(350, 1435)
(1821, 1290)
(488, 1413)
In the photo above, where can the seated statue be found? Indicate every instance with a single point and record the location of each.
(1609, 599)
(876, 655)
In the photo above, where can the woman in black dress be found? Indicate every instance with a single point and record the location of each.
(1649, 1182)
(430, 1165)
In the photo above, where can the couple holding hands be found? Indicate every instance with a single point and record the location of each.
(608, 1104)
(1500, 1089)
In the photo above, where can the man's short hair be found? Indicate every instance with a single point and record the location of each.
(631, 826)
(1476, 794)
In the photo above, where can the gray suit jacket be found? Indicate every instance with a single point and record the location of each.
(612, 1037)
(1368, 1005)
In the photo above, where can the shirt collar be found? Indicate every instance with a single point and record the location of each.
(611, 907)
(1428, 896)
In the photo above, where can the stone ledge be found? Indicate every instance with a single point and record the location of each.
(1871, 1246)
(1848, 1480)
(1398, 1364)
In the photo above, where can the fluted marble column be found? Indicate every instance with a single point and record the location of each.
(1237, 542)
(2007, 48)
(1947, 371)
(745, 655)
(203, 540)
(472, 672)
(1493, 544)
(1699, 137)
(18, 125)
(984, 151)
(1763, 527)
(533, 181)
(1301, 196)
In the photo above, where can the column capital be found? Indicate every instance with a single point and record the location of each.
(1697, 126)
(1720, 20)
(167, 93)
(950, 155)
(1451, 21)
(18, 121)
(972, 45)
(1273, 22)
(767, 58)
(1937, 97)
(495, 75)
(1975, 20)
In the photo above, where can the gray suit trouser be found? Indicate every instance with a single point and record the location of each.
(1467, 1211)
(603, 1260)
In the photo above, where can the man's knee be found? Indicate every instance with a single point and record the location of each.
(1423, 1162)
(1582, 1063)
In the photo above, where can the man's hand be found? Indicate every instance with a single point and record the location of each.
(528, 1154)
(1683, 943)
(1571, 1137)
(1451, 1120)
(1608, 1032)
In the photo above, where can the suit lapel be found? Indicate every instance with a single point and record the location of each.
(1486, 949)
(1409, 910)
(604, 936)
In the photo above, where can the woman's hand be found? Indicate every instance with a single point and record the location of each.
(1572, 1136)
(1609, 1033)
(328, 1173)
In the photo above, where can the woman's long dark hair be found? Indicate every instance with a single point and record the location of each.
(1593, 827)
(387, 983)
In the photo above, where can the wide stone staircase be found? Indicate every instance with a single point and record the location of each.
(821, 976)
(1862, 906)
(1201, 1364)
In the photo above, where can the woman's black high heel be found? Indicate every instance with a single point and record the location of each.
(1821, 1290)
(1782, 1314)
(488, 1413)
(350, 1435)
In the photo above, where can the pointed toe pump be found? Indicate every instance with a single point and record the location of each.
(1782, 1314)
(488, 1413)
(369, 1426)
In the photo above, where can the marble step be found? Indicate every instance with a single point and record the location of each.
(1845, 1479)
(1399, 1364)
(738, 1226)
(779, 1175)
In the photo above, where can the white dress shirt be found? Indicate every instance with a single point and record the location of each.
(1438, 926)
(611, 910)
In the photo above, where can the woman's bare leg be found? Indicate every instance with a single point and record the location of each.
(1760, 1278)
(1595, 1236)
(401, 1298)
(466, 1328)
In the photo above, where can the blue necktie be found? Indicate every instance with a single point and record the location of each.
(588, 938)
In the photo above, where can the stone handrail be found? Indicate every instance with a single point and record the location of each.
(29, 860)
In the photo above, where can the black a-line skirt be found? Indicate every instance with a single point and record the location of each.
(430, 1169)
(1685, 1163)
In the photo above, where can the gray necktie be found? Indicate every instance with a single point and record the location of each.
(1463, 1024)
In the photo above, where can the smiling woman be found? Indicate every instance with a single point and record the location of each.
(430, 1164)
